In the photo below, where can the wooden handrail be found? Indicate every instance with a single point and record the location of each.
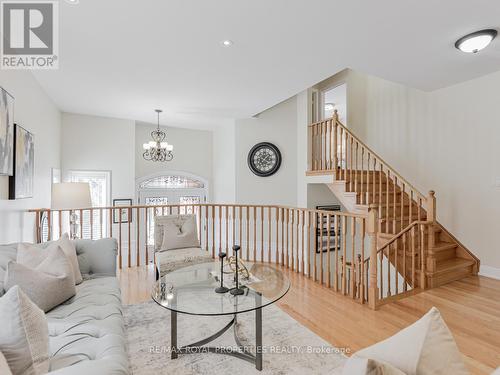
(335, 119)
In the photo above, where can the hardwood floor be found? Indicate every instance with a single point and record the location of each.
(470, 307)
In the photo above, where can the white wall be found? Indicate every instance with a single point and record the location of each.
(192, 152)
(101, 143)
(445, 141)
(224, 164)
(277, 125)
(35, 111)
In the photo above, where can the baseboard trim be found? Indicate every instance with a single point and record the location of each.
(491, 272)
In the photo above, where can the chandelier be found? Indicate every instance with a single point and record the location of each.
(158, 149)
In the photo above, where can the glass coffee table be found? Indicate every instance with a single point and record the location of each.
(191, 291)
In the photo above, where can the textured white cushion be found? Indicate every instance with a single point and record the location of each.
(426, 347)
(49, 284)
(24, 337)
(4, 366)
(364, 366)
(179, 232)
(32, 256)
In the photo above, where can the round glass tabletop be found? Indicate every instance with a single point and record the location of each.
(191, 290)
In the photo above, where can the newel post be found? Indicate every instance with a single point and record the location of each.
(373, 292)
(431, 206)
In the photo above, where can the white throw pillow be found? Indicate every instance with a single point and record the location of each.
(426, 347)
(4, 366)
(33, 255)
(179, 232)
(24, 337)
(49, 284)
(364, 366)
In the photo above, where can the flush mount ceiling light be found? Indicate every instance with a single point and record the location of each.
(72, 1)
(475, 42)
(329, 106)
(227, 43)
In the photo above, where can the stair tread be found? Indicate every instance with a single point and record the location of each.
(452, 264)
(442, 246)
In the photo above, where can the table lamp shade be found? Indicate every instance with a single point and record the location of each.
(71, 195)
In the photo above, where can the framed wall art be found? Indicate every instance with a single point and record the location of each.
(6, 133)
(21, 182)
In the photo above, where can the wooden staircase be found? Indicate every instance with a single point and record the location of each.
(418, 248)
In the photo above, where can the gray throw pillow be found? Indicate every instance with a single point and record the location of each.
(32, 255)
(179, 232)
(24, 337)
(49, 284)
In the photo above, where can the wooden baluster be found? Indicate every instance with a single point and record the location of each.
(269, 237)
(351, 188)
(387, 209)
(277, 260)
(308, 241)
(410, 209)
(328, 261)
(254, 234)
(381, 258)
(120, 238)
(226, 218)
(423, 257)
(292, 253)
(220, 228)
(240, 225)
(367, 198)
(91, 219)
(320, 138)
(213, 231)
(261, 233)
(356, 169)
(321, 247)
(405, 283)
(362, 189)
(329, 137)
(353, 253)
(59, 219)
(394, 224)
(49, 225)
(207, 228)
(325, 142)
(248, 232)
(362, 262)
(413, 257)
(287, 238)
(372, 227)
(316, 245)
(337, 232)
(379, 203)
(388, 270)
(419, 208)
(374, 183)
(81, 223)
(146, 235)
(233, 224)
(335, 145)
(396, 265)
(137, 238)
(129, 247)
(345, 154)
(302, 243)
(402, 200)
(342, 174)
(282, 236)
(344, 253)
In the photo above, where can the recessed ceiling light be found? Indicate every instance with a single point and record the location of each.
(227, 43)
(72, 1)
(475, 42)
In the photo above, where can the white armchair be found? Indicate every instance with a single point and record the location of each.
(177, 244)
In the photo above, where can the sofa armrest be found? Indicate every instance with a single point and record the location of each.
(97, 257)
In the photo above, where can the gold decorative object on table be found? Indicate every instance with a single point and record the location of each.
(242, 269)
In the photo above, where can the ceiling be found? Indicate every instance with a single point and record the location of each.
(123, 58)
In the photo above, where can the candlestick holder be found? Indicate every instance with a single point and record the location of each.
(237, 291)
(221, 288)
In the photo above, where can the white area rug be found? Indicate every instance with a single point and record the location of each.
(289, 347)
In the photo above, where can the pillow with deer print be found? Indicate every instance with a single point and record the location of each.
(179, 232)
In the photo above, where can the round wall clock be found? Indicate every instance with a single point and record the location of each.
(264, 159)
